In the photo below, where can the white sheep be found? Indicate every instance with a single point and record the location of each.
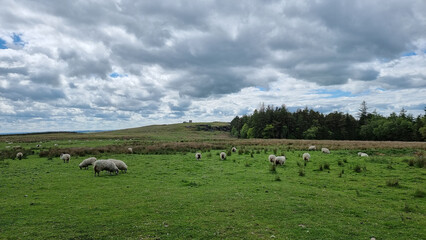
(233, 149)
(106, 165)
(359, 153)
(222, 156)
(87, 162)
(130, 150)
(271, 158)
(198, 156)
(280, 160)
(364, 155)
(66, 157)
(325, 150)
(19, 155)
(120, 164)
(306, 157)
(312, 148)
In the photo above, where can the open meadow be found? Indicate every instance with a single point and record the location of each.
(168, 194)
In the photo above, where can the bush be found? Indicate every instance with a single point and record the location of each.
(340, 163)
(327, 166)
(419, 193)
(301, 172)
(393, 182)
(358, 169)
(320, 167)
(277, 178)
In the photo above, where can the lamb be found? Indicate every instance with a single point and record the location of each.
(325, 150)
(66, 157)
(271, 158)
(280, 160)
(222, 156)
(306, 157)
(312, 148)
(19, 155)
(87, 162)
(107, 165)
(234, 149)
(198, 156)
(120, 165)
(130, 150)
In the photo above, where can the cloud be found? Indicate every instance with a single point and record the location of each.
(153, 61)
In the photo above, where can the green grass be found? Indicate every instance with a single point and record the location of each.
(176, 197)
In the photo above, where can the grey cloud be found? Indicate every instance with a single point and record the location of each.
(35, 92)
(17, 70)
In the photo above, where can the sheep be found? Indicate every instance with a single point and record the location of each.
(280, 160)
(364, 155)
(120, 165)
(312, 148)
(66, 157)
(306, 157)
(271, 158)
(325, 150)
(198, 156)
(222, 156)
(234, 149)
(107, 165)
(359, 153)
(19, 155)
(87, 162)
(130, 150)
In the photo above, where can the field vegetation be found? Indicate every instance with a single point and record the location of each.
(167, 194)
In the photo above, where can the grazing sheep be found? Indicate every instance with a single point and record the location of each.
(106, 165)
(306, 157)
(280, 160)
(87, 162)
(120, 164)
(271, 158)
(130, 150)
(234, 149)
(364, 155)
(312, 148)
(222, 156)
(359, 153)
(19, 155)
(198, 156)
(38, 145)
(66, 157)
(325, 150)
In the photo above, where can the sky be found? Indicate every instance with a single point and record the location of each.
(104, 65)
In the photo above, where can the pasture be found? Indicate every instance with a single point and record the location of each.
(173, 196)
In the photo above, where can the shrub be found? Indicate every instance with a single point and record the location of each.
(277, 178)
(358, 169)
(327, 166)
(240, 151)
(321, 167)
(340, 163)
(251, 155)
(209, 154)
(419, 193)
(301, 172)
(411, 162)
(229, 153)
(273, 168)
(420, 162)
(393, 182)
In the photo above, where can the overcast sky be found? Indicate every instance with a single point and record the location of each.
(101, 65)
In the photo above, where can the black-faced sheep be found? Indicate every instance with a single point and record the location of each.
(280, 160)
(65, 157)
(233, 149)
(19, 155)
(120, 164)
(87, 162)
(107, 165)
(271, 158)
(198, 156)
(325, 150)
(222, 156)
(306, 157)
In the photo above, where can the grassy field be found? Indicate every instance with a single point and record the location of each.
(173, 196)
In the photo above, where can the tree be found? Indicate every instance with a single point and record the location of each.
(362, 114)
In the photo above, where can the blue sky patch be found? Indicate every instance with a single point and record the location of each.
(3, 44)
(333, 93)
(117, 75)
(17, 39)
(408, 54)
(261, 89)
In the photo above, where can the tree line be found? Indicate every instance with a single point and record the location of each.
(279, 122)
